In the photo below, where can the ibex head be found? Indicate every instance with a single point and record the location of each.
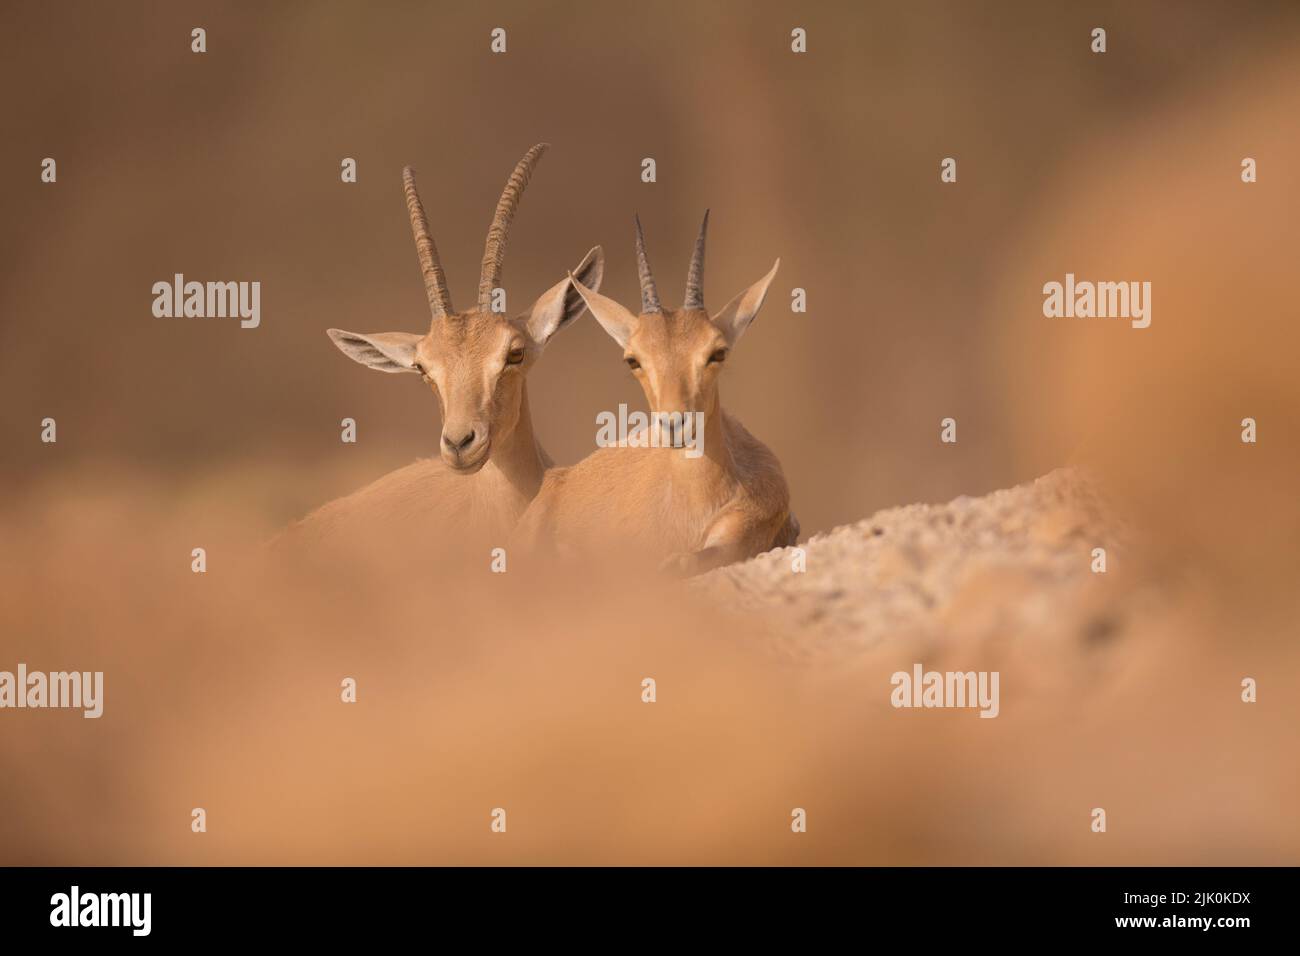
(474, 361)
(676, 354)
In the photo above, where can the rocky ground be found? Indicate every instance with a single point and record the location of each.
(1014, 561)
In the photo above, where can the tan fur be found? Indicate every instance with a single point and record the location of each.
(693, 513)
(475, 363)
(429, 501)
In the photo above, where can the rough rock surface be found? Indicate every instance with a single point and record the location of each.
(1012, 562)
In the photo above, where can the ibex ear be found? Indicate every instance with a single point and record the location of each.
(613, 318)
(740, 311)
(560, 304)
(385, 351)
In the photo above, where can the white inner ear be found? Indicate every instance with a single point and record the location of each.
(548, 312)
(547, 316)
(736, 315)
(613, 318)
(382, 351)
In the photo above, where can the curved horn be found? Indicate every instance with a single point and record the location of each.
(494, 252)
(695, 275)
(649, 294)
(435, 280)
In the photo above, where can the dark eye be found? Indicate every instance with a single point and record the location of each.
(515, 357)
(718, 357)
(632, 363)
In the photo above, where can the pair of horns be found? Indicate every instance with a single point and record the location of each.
(694, 276)
(494, 253)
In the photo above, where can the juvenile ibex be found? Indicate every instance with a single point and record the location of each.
(695, 512)
(475, 362)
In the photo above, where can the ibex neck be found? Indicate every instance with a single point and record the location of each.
(519, 460)
(717, 447)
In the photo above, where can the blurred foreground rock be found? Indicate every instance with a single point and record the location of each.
(1011, 563)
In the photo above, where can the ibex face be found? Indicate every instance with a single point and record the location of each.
(474, 361)
(677, 354)
(475, 364)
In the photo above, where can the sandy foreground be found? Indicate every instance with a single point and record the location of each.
(524, 692)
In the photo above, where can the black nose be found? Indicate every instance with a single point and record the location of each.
(458, 444)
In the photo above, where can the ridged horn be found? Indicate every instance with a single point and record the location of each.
(649, 294)
(435, 280)
(695, 275)
(494, 252)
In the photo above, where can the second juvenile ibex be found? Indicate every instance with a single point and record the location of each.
(475, 362)
(693, 512)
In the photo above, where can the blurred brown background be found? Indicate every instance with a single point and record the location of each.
(225, 166)
(924, 302)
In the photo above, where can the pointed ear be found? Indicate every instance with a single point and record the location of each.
(560, 304)
(613, 318)
(384, 351)
(740, 311)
